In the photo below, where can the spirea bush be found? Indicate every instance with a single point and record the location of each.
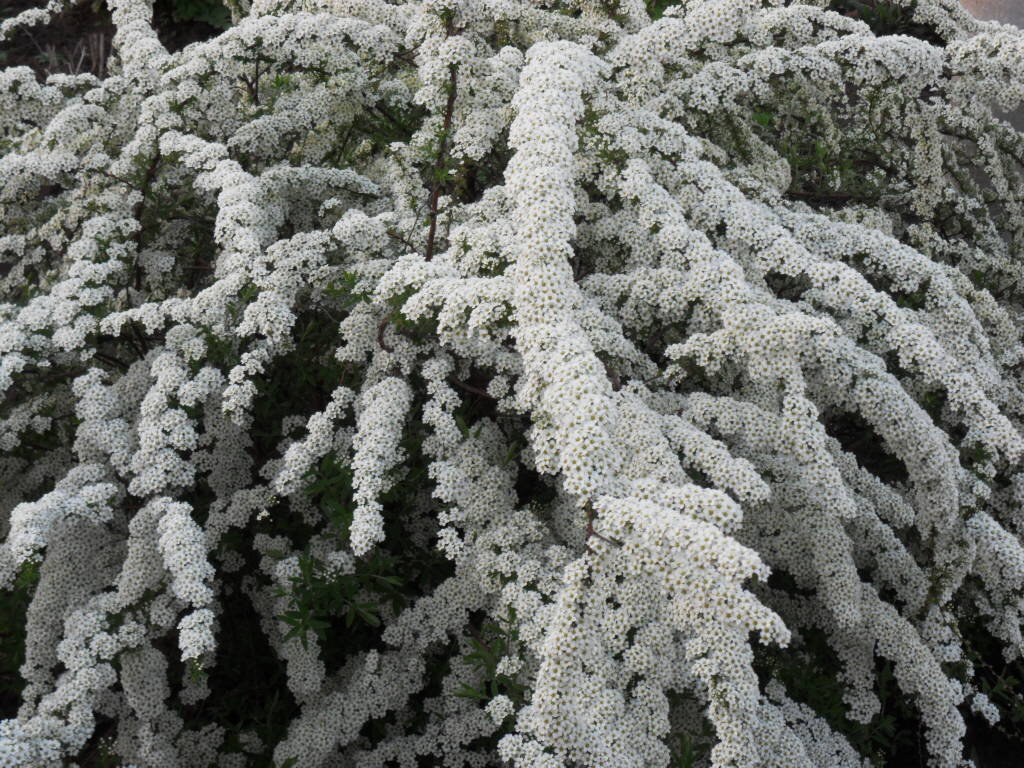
(553, 384)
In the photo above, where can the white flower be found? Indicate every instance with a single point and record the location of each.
(499, 708)
(644, 340)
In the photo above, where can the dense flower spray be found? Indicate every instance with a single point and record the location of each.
(534, 383)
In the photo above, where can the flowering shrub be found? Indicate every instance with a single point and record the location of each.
(466, 382)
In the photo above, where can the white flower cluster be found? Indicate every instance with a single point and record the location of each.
(683, 355)
(376, 451)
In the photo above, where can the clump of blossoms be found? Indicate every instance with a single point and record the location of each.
(459, 382)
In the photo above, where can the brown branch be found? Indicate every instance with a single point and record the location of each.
(138, 339)
(116, 178)
(613, 376)
(409, 55)
(399, 238)
(469, 387)
(576, 262)
(380, 336)
(111, 360)
(442, 151)
(252, 85)
(591, 516)
(475, 633)
(138, 211)
(387, 115)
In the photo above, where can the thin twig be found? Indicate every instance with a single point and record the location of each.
(442, 151)
(140, 209)
(396, 236)
(387, 115)
(469, 387)
(380, 336)
(111, 360)
(142, 345)
(409, 55)
(613, 376)
(591, 516)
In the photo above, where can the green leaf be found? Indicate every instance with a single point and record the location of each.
(367, 615)
(468, 692)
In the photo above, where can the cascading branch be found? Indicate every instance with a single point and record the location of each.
(466, 382)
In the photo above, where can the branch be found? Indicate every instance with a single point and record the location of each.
(409, 55)
(441, 157)
(380, 336)
(469, 387)
(140, 208)
(110, 359)
(138, 339)
(613, 376)
(591, 516)
(399, 238)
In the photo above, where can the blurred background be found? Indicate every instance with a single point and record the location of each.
(79, 40)
(1010, 11)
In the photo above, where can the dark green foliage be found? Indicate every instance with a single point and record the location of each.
(13, 605)
(688, 751)
(211, 12)
(319, 595)
(656, 8)
(494, 640)
(1003, 682)
(889, 739)
(857, 437)
(248, 680)
(886, 18)
(825, 173)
